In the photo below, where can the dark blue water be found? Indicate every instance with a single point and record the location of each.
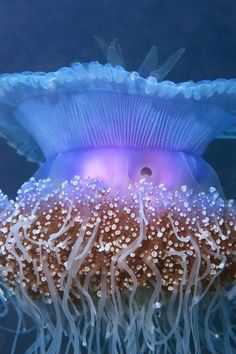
(46, 35)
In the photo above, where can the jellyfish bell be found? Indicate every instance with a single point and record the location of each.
(126, 120)
(119, 167)
(122, 242)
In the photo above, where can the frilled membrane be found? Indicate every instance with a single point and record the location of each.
(146, 225)
(42, 114)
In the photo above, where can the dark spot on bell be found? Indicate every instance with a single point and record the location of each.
(146, 171)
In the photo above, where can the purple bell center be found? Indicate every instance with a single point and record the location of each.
(118, 168)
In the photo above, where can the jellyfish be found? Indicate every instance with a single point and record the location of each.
(123, 240)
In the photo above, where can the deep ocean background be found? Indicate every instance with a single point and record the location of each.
(44, 35)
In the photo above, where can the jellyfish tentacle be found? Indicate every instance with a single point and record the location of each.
(149, 63)
(112, 52)
(164, 70)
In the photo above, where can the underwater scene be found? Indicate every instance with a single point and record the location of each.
(117, 177)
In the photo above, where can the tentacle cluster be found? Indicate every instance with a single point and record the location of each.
(114, 56)
(126, 268)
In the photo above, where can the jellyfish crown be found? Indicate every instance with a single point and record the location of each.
(103, 121)
(120, 244)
